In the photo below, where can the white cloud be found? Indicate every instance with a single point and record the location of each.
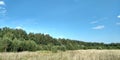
(60, 36)
(2, 3)
(118, 23)
(94, 22)
(3, 10)
(118, 16)
(18, 27)
(99, 27)
(99, 20)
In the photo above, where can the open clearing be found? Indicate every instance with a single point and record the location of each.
(68, 55)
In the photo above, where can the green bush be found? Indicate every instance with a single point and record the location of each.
(62, 48)
(28, 45)
(54, 49)
(5, 44)
(15, 45)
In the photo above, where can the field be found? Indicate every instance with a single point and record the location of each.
(68, 55)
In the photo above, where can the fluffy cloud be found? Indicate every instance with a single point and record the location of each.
(2, 3)
(94, 22)
(99, 20)
(19, 27)
(118, 16)
(99, 27)
(3, 10)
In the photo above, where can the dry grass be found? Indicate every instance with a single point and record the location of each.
(68, 55)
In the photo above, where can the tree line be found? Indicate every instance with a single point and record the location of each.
(17, 40)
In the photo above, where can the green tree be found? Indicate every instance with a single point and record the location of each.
(15, 45)
(5, 44)
(28, 45)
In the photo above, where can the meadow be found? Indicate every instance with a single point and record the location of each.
(67, 55)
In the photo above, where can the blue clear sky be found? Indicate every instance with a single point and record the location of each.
(85, 20)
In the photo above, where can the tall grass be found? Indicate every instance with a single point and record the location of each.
(67, 55)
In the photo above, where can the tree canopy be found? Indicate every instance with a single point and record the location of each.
(16, 40)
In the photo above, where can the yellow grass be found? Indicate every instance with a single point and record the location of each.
(68, 55)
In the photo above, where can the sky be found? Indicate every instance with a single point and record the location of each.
(84, 20)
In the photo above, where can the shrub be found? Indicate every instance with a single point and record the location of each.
(54, 49)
